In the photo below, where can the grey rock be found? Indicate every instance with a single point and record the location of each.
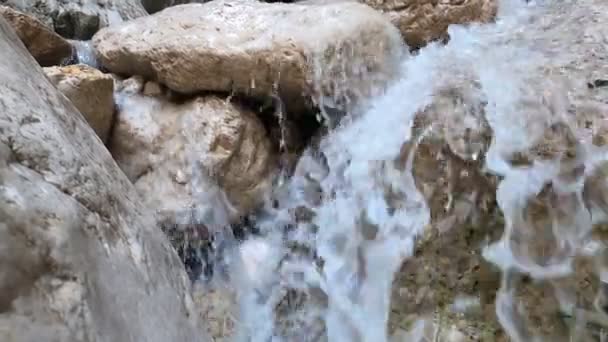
(80, 258)
(78, 19)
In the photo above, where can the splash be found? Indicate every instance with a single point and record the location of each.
(335, 233)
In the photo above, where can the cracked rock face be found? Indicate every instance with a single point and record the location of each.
(80, 257)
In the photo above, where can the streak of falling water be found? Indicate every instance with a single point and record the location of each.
(367, 211)
(85, 53)
(361, 236)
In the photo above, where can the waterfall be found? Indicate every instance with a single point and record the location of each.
(335, 233)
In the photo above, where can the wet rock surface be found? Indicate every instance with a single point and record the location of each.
(492, 214)
(153, 6)
(450, 263)
(423, 21)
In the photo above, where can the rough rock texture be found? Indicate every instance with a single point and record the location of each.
(346, 50)
(169, 150)
(91, 92)
(80, 258)
(421, 21)
(219, 310)
(79, 19)
(447, 265)
(47, 47)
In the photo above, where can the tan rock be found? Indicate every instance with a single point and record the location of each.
(346, 51)
(47, 47)
(152, 89)
(90, 90)
(80, 257)
(219, 310)
(421, 21)
(158, 144)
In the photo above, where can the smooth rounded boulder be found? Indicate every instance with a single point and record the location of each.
(335, 54)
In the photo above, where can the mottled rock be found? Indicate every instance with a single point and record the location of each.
(447, 263)
(79, 19)
(347, 51)
(219, 310)
(80, 257)
(47, 47)
(167, 149)
(422, 21)
(90, 90)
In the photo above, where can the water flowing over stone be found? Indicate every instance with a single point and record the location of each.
(80, 257)
(489, 152)
(458, 192)
(422, 21)
(83, 53)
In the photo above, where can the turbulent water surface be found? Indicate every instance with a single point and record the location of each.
(358, 210)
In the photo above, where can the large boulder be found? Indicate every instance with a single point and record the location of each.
(80, 258)
(345, 52)
(171, 150)
(78, 19)
(47, 47)
(90, 90)
(422, 21)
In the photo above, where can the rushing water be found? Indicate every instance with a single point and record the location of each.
(359, 211)
(84, 53)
